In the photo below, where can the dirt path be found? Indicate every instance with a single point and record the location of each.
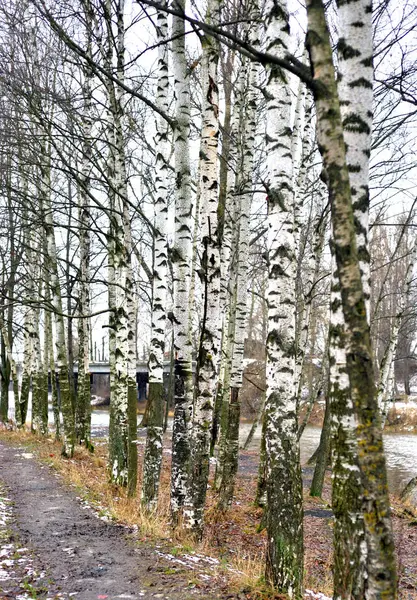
(82, 556)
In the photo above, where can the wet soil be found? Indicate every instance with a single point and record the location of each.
(82, 556)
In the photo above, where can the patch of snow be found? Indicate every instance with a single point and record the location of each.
(410, 405)
(315, 595)
(8, 562)
(4, 575)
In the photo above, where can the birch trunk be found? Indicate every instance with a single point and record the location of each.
(349, 544)
(154, 433)
(284, 566)
(207, 359)
(61, 348)
(26, 368)
(229, 264)
(9, 282)
(40, 377)
(29, 332)
(381, 570)
(5, 381)
(244, 192)
(119, 262)
(40, 362)
(305, 290)
(356, 98)
(51, 364)
(181, 266)
(83, 409)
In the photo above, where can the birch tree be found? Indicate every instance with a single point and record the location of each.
(154, 433)
(381, 580)
(355, 94)
(284, 566)
(181, 258)
(122, 450)
(83, 411)
(244, 199)
(207, 359)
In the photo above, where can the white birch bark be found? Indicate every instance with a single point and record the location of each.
(355, 86)
(52, 276)
(356, 99)
(284, 488)
(154, 433)
(40, 373)
(67, 408)
(118, 261)
(207, 359)
(228, 264)
(29, 333)
(49, 364)
(26, 366)
(301, 141)
(313, 262)
(228, 267)
(302, 163)
(181, 267)
(83, 411)
(244, 200)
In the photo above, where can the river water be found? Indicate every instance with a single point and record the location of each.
(400, 448)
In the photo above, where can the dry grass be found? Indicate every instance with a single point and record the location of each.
(401, 419)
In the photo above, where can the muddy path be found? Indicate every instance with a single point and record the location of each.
(79, 555)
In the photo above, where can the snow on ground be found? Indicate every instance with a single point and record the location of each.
(411, 404)
(315, 595)
(191, 561)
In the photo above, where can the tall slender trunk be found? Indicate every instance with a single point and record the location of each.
(181, 259)
(119, 268)
(323, 454)
(29, 332)
(5, 382)
(244, 192)
(66, 401)
(227, 230)
(355, 73)
(132, 403)
(83, 408)
(154, 433)
(39, 377)
(229, 265)
(284, 561)
(50, 364)
(207, 359)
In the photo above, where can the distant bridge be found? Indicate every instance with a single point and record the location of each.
(103, 368)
